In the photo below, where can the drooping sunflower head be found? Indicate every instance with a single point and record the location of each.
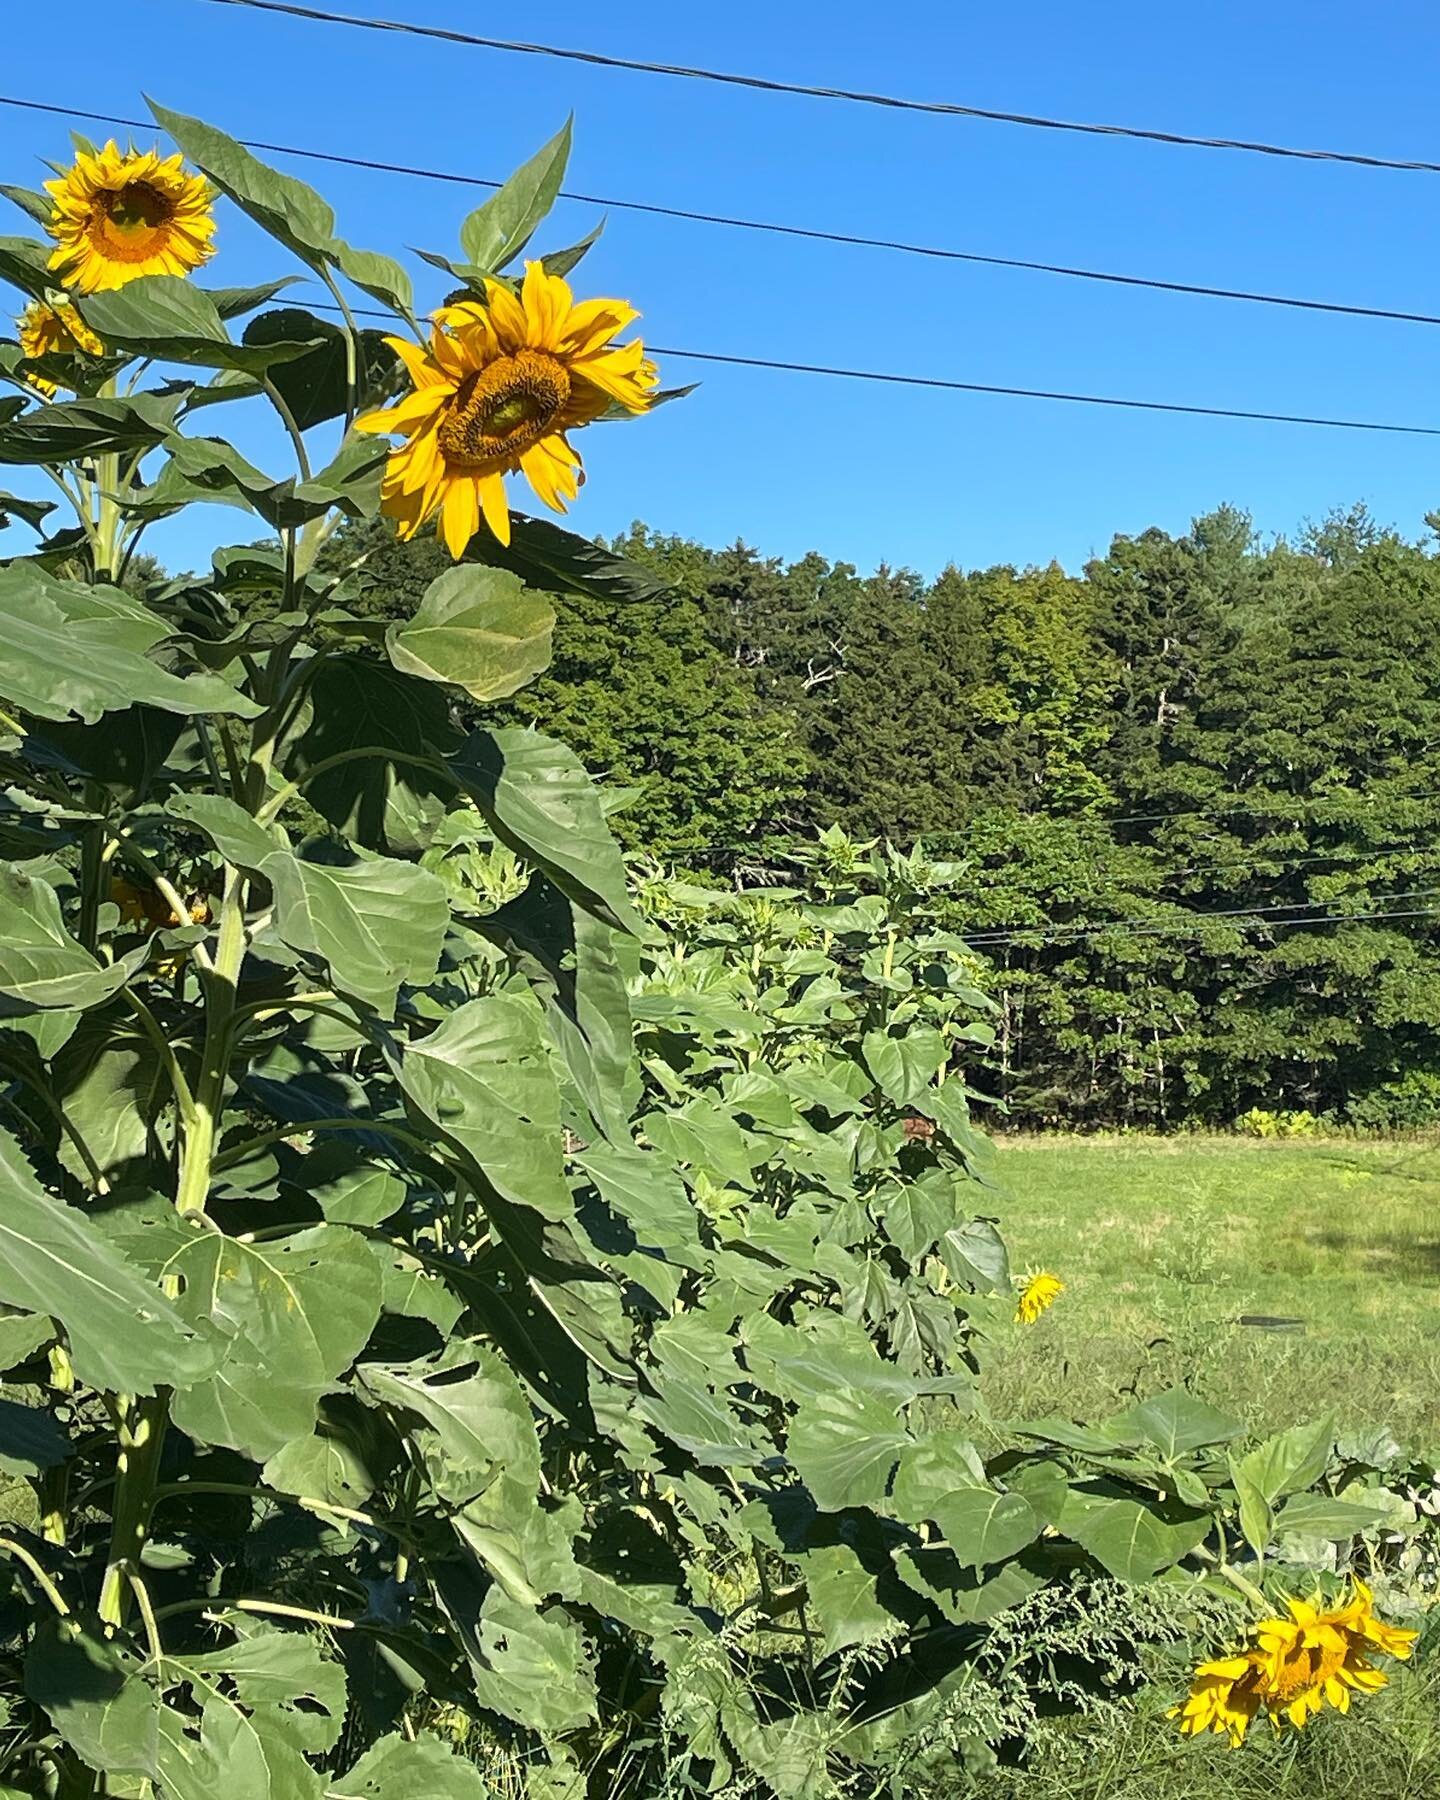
(1039, 1292)
(122, 214)
(54, 331)
(1294, 1668)
(1224, 1698)
(496, 389)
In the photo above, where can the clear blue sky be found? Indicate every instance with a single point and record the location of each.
(866, 473)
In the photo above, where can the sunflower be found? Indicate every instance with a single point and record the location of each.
(118, 215)
(1294, 1668)
(495, 390)
(54, 331)
(1039, 1292)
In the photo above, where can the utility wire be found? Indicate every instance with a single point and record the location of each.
(1019, 393)
(808, 233)
(1037, 938)
(765, 85)
(980, 387)
(1197, 921)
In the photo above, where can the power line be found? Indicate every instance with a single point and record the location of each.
(1019, 393)
(981, 387)
(857, 97)
(1060, 934)
(808, 233)
(1283, 806)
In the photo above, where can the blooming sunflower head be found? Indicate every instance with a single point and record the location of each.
(1294, 1667)
(119, 214)
(1039, 1292)
(54, 331)
(495, 391)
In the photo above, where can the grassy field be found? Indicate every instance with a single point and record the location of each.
(1287, 1279)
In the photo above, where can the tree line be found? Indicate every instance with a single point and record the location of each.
(1191, 793)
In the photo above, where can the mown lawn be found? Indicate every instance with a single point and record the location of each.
(1286, 1279)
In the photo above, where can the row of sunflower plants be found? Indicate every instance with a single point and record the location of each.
(451, 1311)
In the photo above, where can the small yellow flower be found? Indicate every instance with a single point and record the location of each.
(118, 215)
(54, 331)
(1039, 1293)
(495, 391)
(145, 908)
(1294, 1668)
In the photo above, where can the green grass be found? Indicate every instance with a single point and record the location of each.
(1386, 1749)
(1166, 1244)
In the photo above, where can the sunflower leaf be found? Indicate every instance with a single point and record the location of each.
(171, 320)
(481, 629)
(561, 262)
(548, 556)
(74, 428)
(377, 275)
(235, 302)
(288, 209)
(70, 650)
(541, 803)
(496, 233)
(29, 200)
(23, 263)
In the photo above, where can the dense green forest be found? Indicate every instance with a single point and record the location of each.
(1153, 780)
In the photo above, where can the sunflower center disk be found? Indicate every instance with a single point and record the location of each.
(1306, 1669)
(131, 221)
(504, 409)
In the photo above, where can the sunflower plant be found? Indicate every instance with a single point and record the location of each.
(454, 1317)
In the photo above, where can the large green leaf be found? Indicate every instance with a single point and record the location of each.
(70, 429)
(843, 1446)
(1317, 1515)
(1176, 1421)
(113, 1085)
(1132, 1539)
(982, 1526)
(73, 651)
(278, 1676)
(421, 1768)
(476, 1419)
(1291, 1460)
(530, 1666)
(169, 319)
(377, 274)
(324, 1467)
(386, 801)
(576, 964)
(905, 1066)
(24, 263)
(109, 1709)
(548, 556)
(478, 629)
(124, 1336)
(315, 386)
(484, 1078)
(376, 921)
(291, 1316)
(285, 207)
(499, 230)
(527, 1546)
(842, 1595)
(41, 965)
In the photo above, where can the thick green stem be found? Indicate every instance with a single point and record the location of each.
(142, 1438)
(220, 985)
